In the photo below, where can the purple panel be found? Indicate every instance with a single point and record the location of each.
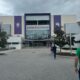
(0, 27)
(57, 23)
(17, 24)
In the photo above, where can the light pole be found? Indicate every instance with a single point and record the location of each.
(70, 43)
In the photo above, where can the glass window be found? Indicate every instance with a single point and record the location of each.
(43, 22)
(15, 42)
(37, 34)
(77, 41)
(31, 22)
(43, 17)
(8, 43)
(6, 28)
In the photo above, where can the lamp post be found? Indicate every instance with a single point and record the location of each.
(70, 43)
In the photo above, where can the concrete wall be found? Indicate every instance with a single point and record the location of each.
(7, 20)
(15, 42)
(10, 20)
(52, 25)
(67, 19)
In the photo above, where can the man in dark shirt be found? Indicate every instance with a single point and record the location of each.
(53, 49)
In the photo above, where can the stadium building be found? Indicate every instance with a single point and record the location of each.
(35, 28)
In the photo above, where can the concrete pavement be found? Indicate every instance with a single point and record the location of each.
(36, 64)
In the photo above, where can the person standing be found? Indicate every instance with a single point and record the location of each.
(77, 60)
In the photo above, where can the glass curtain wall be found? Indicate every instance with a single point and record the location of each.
(37, 34)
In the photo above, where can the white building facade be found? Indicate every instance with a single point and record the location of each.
(34, 26)
(41, 21)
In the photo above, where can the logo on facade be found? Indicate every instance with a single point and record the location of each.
(57, 24)
(18, 24)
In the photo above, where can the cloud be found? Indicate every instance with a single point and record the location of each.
(5, 8)
(32, 6)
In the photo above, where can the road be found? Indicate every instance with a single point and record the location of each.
(36, 64)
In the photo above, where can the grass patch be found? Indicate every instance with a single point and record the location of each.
(66, 54)
(69, 48)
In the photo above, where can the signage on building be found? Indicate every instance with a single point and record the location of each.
(17, 25)
(57, 23)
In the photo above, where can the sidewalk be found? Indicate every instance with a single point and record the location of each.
(6, 51)
(63, 52)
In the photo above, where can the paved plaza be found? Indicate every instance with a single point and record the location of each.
(35, 64)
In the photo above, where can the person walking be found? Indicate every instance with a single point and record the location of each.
(53, 49)
(77, 61)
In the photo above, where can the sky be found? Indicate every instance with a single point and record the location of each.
(55, 7)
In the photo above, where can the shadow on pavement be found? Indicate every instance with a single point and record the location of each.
(3, 54)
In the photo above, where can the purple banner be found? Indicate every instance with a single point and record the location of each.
(0, 27)
(57, 23)
(17, 24)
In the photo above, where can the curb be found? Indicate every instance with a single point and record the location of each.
(66, 54)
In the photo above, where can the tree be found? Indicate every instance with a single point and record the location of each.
(3, 39)
(60, 39)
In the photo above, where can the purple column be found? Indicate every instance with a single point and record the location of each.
(57, 23)
(17, 25)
